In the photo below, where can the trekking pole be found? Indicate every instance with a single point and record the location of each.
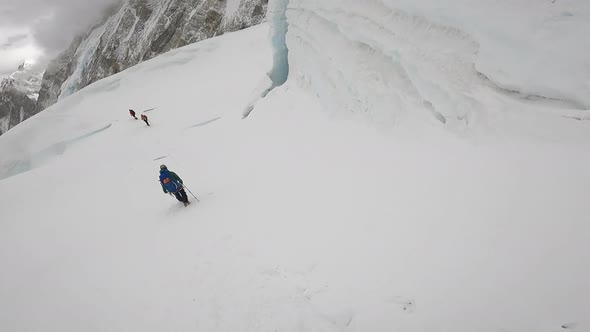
(191, 192)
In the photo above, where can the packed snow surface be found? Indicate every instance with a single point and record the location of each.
(310, 219)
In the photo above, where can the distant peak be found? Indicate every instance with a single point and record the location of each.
(28, 64)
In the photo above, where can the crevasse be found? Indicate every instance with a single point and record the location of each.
(277, 18)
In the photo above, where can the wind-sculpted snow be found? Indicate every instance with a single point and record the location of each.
(387, 59)
(534, 47)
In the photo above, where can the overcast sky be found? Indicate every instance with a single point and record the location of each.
(41, 29)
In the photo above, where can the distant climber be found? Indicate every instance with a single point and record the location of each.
(132, 112)
(172, 183)
(145, 119)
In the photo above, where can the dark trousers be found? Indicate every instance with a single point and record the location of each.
(181, 196)
(146, 122)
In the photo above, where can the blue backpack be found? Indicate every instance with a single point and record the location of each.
(168, 182)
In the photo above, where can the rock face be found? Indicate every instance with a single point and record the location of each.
(56, 73)
(241, 14)
(18, 94)
(140, 30)
(15, 106)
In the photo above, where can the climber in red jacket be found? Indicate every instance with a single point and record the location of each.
(145, 119)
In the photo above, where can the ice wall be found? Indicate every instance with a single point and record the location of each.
(386, 58)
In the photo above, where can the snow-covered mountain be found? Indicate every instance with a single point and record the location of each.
(385, 183)
(138, 31)
(18, 94)
(28, 79)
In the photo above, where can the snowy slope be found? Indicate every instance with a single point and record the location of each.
(309, 220)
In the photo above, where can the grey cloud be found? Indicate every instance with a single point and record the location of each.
(7, 68)
(12, 41)
(15, 46)
(5, 72)
(54, 23)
